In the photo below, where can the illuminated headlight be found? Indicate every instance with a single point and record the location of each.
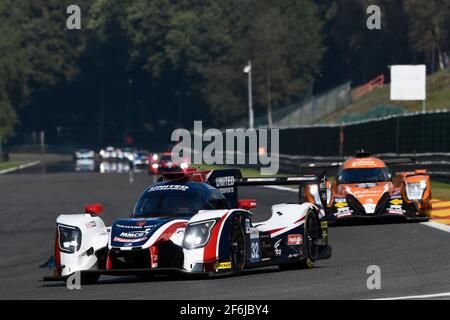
(184, 166)
(314, 191)
(69, 238)
(155, 157)
(415, 190)
(197, 234)
(155, 166)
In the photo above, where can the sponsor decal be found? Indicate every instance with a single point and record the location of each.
(141, 223)
(397, 202)
(247, 225)
(222, 265)
(324, 224)
(123, 240)
(133, 234)
(225, 181)
(91, 224)
(276, 247)
(294, 255)
(254, 251)
(341, 204)
(295, 239)
(254, 233)
(172, 187)
(340, 200)
(124, 226)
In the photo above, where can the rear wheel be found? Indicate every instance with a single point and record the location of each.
(237, 246)
(311, 237)
(310, 240)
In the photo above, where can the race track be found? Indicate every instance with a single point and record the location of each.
(414, 258)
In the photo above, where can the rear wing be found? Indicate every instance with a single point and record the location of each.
(400, 161)
(228, 181)
(336, 164)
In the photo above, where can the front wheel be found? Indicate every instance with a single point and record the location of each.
(237, 246)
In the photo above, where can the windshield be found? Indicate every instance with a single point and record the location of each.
(169, 203)
(366, 175)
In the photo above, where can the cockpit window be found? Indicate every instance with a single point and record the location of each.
(365, 175)
(177, 200)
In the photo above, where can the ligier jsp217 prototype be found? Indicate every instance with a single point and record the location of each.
(367, 190)
(192, 222)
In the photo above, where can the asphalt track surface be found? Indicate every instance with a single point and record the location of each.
(414, 259)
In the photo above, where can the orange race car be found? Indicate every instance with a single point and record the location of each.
(366, 190)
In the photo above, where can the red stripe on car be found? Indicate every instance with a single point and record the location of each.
(210, 250)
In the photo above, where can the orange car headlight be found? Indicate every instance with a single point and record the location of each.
(414, 190)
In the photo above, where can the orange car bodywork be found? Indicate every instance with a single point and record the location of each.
(369, 195)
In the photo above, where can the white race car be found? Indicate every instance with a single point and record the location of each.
(193, 223)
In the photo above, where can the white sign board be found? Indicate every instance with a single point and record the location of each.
(409, 82)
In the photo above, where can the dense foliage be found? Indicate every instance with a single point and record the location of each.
(140, 65)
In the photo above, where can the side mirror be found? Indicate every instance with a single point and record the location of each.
(247, 204)
(95, 209)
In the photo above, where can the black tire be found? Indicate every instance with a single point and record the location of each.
(237, 246)
(310, 240)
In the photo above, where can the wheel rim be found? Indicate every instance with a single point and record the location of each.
(237, 247)
(312, 237)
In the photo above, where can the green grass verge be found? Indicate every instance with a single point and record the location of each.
(438, 97)
(11, 164)
(440, 190)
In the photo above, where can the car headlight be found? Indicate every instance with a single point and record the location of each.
(155, 166)
(314, 191)
(197, 234)
(415, 190)
(155, 157)
(69, 238)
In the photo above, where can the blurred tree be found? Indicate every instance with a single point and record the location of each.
(429, 31)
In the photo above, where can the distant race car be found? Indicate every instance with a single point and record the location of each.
(192, 223)
(366, 190)
(109, 153)
(140, 158)
(83, 154)
(164, 163)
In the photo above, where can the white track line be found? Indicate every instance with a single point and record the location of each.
(431, 224)
(424, 296)
(437, 225)
(23, 166)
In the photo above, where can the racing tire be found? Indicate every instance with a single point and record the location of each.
(310, 240)
(311, 237)
(237, 246)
